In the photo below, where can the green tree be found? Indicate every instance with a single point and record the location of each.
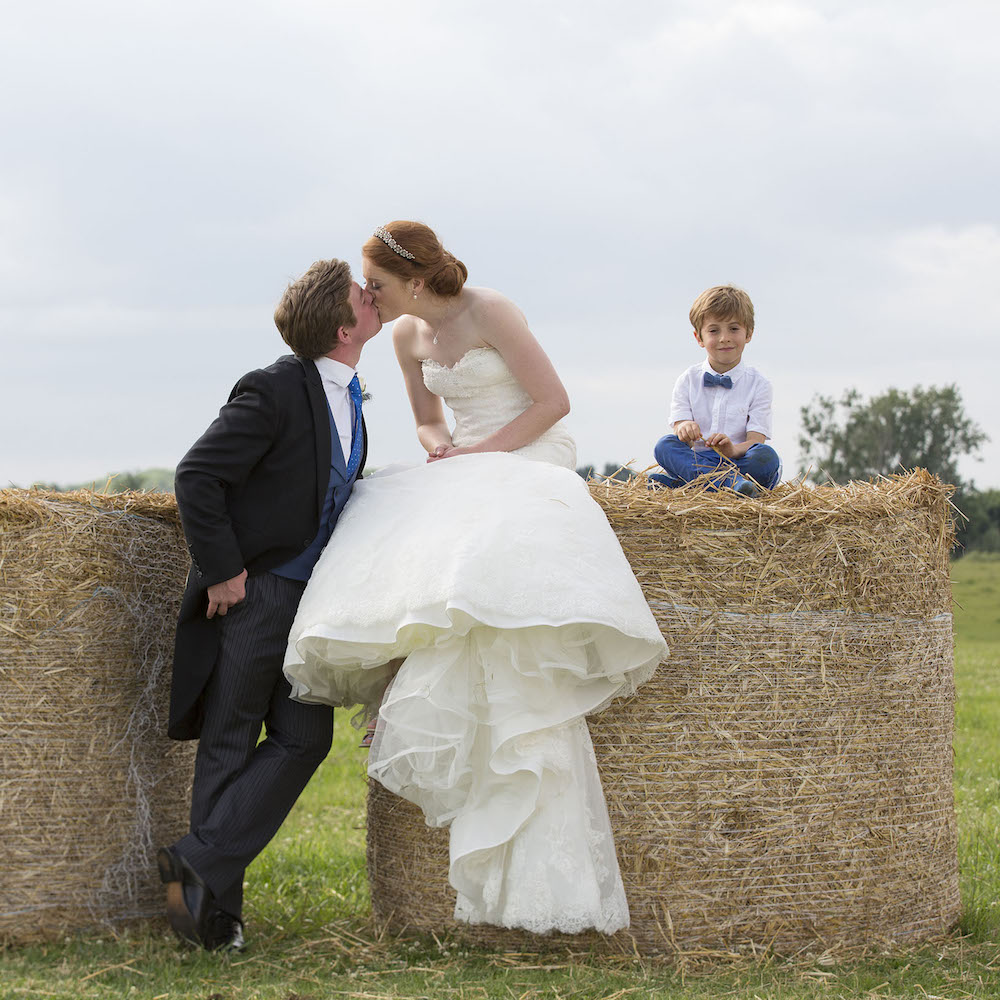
(980, 530)
(852, 438)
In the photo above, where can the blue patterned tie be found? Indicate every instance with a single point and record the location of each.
(724, 380)
(354, 388)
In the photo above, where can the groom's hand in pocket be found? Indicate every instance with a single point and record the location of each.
(222, 596)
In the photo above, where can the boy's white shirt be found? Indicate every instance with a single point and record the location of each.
(733, 412)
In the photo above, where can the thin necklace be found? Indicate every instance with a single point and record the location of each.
(444, 319)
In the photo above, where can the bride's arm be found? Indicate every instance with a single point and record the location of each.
(432, 430)
(503, 326)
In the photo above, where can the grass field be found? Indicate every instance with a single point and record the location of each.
(312, 939)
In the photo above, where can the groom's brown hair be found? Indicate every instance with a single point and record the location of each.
(314, 307)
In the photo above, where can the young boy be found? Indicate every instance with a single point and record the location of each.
(721, 408)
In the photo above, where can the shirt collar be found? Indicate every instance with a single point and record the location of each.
(734, 373)
(335, 371)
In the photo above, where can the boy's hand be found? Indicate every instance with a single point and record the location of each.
(688, 431)
(722, 444)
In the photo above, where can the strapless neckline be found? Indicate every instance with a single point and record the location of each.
(451, 368)
(484, 395)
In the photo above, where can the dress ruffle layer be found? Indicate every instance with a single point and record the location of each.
(503, 586)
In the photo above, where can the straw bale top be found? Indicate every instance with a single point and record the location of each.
(41, 506)
(790, 503)
(58, 549)
(873, 547)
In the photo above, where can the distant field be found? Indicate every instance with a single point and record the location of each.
(312, 939)
(975, 585)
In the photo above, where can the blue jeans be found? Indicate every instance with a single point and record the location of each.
(682, 463)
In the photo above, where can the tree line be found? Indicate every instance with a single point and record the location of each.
(155, 480)
(853, 438)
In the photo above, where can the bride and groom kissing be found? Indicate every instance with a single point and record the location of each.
(478, 605)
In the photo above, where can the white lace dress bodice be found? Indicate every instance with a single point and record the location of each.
(498, 579)
(484, 396)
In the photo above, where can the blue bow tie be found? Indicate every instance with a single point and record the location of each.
(724, 380)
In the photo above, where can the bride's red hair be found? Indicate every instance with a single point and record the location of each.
(443, 273)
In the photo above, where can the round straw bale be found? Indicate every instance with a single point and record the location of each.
(89, 782)
(785, 779)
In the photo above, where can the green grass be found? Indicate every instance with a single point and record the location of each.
(312, 938)
(976, 589)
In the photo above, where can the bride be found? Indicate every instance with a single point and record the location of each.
(496, 579)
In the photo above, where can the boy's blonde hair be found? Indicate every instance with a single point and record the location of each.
(722, 302)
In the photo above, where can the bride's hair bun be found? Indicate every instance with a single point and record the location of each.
(412, 250)
(449, 277)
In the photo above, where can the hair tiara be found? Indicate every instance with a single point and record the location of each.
(386, 237)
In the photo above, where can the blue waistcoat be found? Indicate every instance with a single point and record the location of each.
(337, 491)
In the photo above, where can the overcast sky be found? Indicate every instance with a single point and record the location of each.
(167, 167)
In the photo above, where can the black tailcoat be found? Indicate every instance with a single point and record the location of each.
(250, 493)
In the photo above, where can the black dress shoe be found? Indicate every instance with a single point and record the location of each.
(224, 932)
(190, 903)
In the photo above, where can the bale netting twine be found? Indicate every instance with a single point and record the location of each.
(785, 779)
(89, 783)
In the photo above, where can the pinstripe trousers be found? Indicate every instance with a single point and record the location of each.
(244, 789)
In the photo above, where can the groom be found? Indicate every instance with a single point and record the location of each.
(259, 494)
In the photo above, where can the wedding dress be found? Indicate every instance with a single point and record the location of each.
(500, 581)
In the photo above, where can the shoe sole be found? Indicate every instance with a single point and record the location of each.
(178, 914)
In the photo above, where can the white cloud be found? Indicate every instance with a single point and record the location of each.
(945, 272)
(167, 168)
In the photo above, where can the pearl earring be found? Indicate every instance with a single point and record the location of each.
(414, 294)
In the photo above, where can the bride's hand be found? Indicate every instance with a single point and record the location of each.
(439, 452)
(448, 451)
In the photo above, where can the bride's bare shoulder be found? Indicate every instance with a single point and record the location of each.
(489, 305)
(404, 330)
(404, 335)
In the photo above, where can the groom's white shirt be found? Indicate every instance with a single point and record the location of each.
(336, 378)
